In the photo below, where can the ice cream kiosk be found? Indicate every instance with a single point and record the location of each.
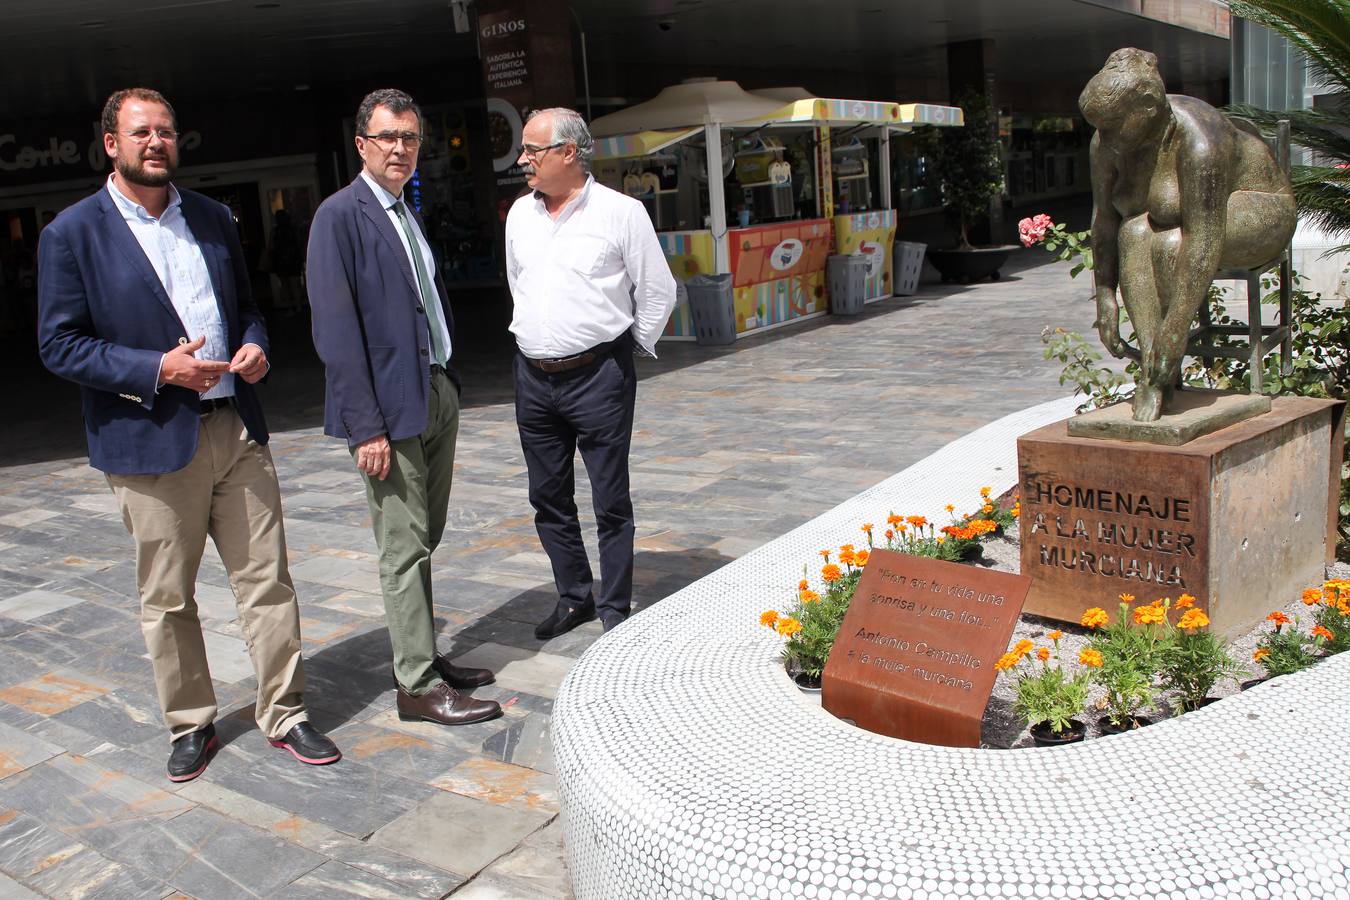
(742, 183)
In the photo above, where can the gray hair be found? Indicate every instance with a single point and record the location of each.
(570, 127)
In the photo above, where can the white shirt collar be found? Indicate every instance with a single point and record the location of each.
(387, 200)
(576, 202)
(129, 207)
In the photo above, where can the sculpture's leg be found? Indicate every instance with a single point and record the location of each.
(1186, 295)
(1139, 291)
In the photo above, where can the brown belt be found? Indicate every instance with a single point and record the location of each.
(565, 364)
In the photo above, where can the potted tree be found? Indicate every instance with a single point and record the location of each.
(967, 164)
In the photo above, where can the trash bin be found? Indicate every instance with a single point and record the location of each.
(907, 263)
(846, 277)
(712, 307)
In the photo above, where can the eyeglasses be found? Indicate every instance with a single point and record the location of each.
(533, 153)
(143, 135)
(386, 140)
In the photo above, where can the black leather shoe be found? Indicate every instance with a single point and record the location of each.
(191, 753)
(609, 623)
(461, 676)
(563, 620)
(309, 745)
(445, 705)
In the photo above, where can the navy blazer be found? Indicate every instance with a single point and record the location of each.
(369, 325)
(105, 321)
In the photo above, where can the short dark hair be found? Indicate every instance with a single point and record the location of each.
(392, 99)
(117, 98)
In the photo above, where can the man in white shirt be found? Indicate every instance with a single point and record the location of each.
(591, 286)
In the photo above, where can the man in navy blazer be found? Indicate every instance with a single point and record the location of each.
(145, 303)
(382, 326)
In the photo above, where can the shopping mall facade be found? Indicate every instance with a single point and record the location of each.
(266, 91)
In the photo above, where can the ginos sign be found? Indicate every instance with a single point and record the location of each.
(503, 29)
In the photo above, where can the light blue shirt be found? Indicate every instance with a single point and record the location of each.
(178, 261)
(387, 200)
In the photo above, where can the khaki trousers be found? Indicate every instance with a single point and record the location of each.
(228, 491)
(407, 511)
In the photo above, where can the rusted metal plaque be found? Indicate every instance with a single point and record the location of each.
(1101, 518)
(915, 655)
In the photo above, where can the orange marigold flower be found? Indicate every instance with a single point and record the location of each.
(860, 558)
(893, 519)
(1278, 618)
(1343, 607)
(1055, 635)
(802, 585)
(890, 535)
(788, 626)
(1022, 647)
(847, 557)
(1043, 654)
(1185, 601)
(768, 617)
(867, 527)
(808, 596)
(987, 508)
(1312, 597)
(1095, 617)
(902, 527)
(984, 491)
(843, 547)
(1006, 662)
(1323, 632)
(825, 554)
(831, 573)
(1260, 654)
(1127, 598)
(916, 521)
(1193, 619)
(1149, 615)
(1089, 657)
(951, 508)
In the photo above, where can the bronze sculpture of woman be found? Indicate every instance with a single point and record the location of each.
(1179, 191)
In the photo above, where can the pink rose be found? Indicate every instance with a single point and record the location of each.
(1032, 230)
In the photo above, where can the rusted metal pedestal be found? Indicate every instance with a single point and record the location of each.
(1243, 518)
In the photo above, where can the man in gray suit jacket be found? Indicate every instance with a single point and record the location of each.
(384, 331)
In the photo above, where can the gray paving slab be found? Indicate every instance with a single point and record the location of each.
(732, 447)
(45, 862)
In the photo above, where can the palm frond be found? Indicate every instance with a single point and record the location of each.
(1324, 198)
(1319, 28)
(1324, 132)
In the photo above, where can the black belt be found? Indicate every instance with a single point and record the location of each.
(215, 403)
(568, 363)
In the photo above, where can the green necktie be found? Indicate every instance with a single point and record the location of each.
(431, 302)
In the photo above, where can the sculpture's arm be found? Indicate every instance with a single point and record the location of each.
(1184, 273)
(1105, 249)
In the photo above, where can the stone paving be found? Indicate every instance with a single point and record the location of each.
(733, 446)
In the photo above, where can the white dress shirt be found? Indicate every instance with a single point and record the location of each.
(586, 277)
(387, 200)
(178, 261)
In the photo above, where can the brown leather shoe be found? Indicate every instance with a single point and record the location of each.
(461, 676)
(446, 705)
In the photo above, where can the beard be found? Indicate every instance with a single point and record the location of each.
(134, 171)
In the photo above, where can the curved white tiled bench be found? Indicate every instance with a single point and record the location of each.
(690, 767)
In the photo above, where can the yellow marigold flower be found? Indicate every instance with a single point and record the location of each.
(831, 573)
(1043, 654)
(860, 558)
(1260, 654)
(1323, 632)
(1095, 617)
(1055, 635)
(1127, 598)
(1022, 647)
(1089, 657)
(984, 491)
(987, 508)
(1006, 662)
(788, 626)
(941, 539)
(768, 617)
(951, 508)
(808, 596)
(1193, 619)
(1185, 601)
(1312, 597)
(1149, 615)
(1343, 607)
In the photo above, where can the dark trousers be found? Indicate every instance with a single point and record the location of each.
(591, 409)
